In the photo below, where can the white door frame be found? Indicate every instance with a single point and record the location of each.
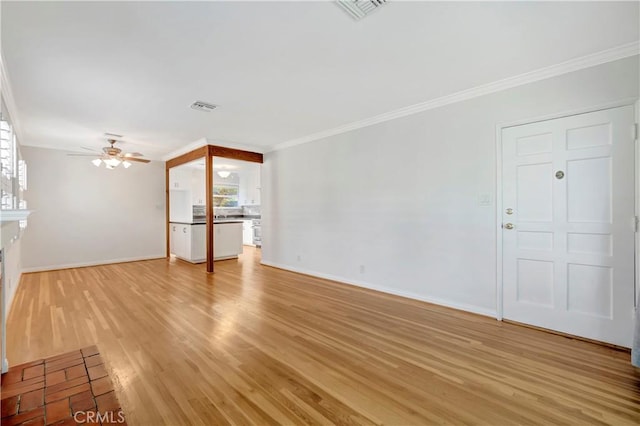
(499, 206)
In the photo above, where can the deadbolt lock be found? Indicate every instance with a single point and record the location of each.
(509, 211)
(559, 174)
(508, 226)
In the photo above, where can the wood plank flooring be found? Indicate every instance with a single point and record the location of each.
(258, 345)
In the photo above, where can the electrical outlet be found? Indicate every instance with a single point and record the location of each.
(299, 258)
(362, 269)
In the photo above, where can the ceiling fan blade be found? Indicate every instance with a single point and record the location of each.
(89, 149)
(84, 155)
(133, 154)
(139, 160)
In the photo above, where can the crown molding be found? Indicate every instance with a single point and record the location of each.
(9, 100)
(576, 64)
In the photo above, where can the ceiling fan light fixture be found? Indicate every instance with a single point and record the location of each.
(224, 174)
(111, 156)
(113, 162)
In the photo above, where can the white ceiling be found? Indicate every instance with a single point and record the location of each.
(278, 70)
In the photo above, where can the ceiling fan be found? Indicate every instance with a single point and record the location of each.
(112, 157)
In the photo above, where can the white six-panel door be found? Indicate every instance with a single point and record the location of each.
(568, 224)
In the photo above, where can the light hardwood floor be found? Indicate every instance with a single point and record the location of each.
(257, 345)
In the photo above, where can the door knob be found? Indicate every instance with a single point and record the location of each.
(508, 226)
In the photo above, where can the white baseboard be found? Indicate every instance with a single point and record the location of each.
(383, 289)
(92, 263)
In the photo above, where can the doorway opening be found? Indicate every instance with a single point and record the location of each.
(237, 199)
(210, 192)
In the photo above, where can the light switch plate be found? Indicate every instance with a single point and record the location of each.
(485, 199)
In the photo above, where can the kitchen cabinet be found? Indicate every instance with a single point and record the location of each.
(255, 189)
(180, 209)
(227, 240)
(247, 232)
(172, 237)
(179, 178)
(250, 187)
(177, 243)
(188, 242)
(198, 187)
(243, 188)
(198, 243)
(187, 188)
(180, 195)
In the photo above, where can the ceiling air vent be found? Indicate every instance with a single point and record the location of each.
(358, 9)
(203, 106)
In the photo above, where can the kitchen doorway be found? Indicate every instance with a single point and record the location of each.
(216, 238)
(237, 194)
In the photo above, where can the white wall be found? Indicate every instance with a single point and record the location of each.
(400, 198)
(87, 215)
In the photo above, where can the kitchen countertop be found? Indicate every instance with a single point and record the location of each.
(223, 219)
(215, 222)
(244, 217)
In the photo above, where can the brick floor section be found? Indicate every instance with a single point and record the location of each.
(50, 391)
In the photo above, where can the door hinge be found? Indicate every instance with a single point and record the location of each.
(635, 131)
(636, 223)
